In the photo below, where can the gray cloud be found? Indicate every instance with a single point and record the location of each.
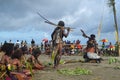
(20, 16)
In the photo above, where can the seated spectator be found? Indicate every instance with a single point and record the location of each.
(34, 59)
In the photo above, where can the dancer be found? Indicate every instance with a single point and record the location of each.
(91, 49)
(57, 40)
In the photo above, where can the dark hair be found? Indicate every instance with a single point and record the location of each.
(36, 52)
(92, 36)
(7, 48)
(17, 54)
(61, 23)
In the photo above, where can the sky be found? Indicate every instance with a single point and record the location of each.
(19, 19)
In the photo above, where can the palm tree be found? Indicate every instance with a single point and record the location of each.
(112, 4)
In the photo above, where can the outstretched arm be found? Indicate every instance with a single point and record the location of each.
(83, 34)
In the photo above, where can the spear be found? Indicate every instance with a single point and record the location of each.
(49, 22)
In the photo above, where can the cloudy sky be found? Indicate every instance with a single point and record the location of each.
(19, 19)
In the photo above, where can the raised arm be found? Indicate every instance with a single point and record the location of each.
(83, 34)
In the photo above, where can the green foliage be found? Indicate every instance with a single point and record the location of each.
(2, 67)
(117, 67)
(29, 66)
(2, 75)
(76, 71)
(48, 64)
(112, 60)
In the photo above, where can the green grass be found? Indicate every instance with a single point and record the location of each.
(76, 71)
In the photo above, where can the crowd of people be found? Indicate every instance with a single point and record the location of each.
(14, 65)
(14, 52)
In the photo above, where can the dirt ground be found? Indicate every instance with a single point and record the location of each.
(100, 71)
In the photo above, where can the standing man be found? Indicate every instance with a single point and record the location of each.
(18, 44)
(57, 40)
(32, 43)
